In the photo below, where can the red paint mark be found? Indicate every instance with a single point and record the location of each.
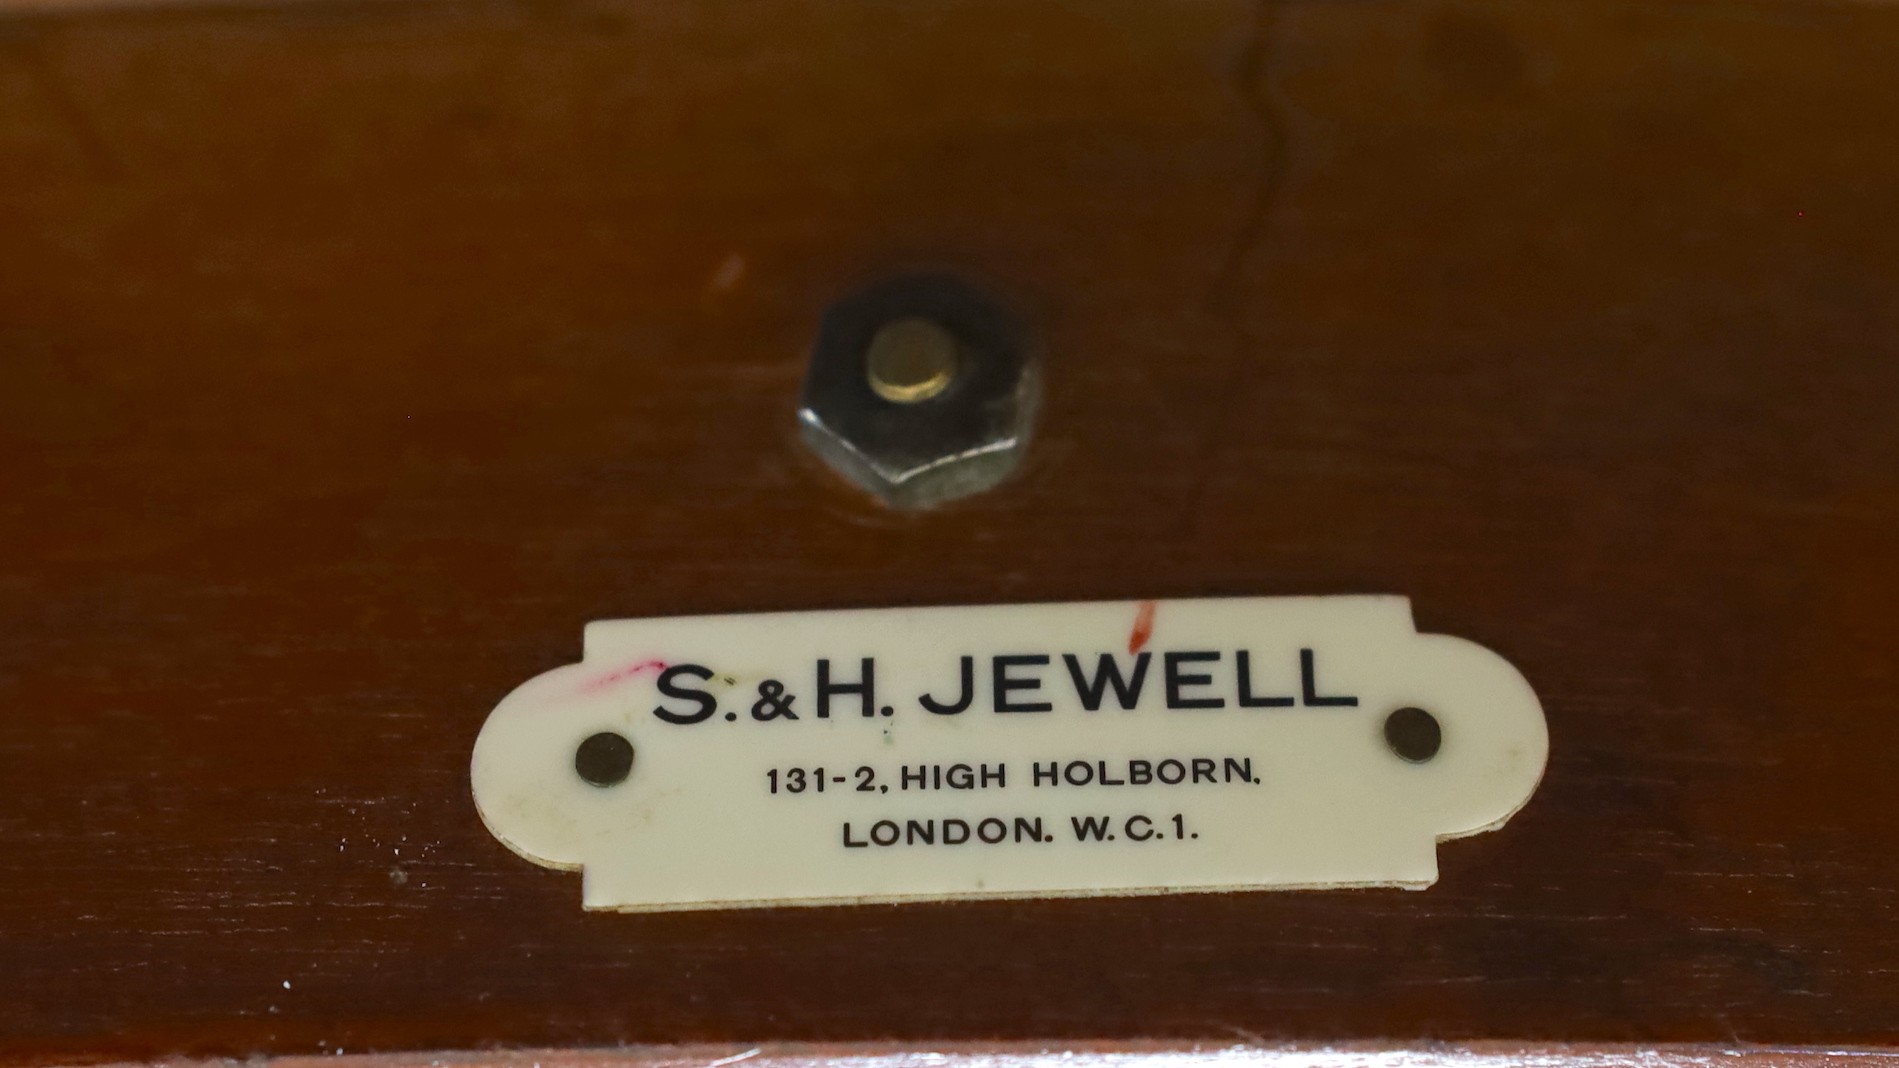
(621, 675)
(1143, 627)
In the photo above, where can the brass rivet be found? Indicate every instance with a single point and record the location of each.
(1413, 734)
(911, 360)
(604, 759)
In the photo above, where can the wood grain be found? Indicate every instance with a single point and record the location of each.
(352, 357)
(1135, 1054)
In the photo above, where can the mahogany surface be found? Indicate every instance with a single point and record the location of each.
(352, 356)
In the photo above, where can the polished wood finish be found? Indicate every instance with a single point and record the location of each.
(1129, 1054)
(353, 356)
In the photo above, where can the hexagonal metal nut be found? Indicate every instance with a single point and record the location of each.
(951, 442)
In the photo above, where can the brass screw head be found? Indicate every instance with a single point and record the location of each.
(911, 360)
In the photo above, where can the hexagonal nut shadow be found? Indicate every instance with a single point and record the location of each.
(921, 390)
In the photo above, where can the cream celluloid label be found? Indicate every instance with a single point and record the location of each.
(1050, 750)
